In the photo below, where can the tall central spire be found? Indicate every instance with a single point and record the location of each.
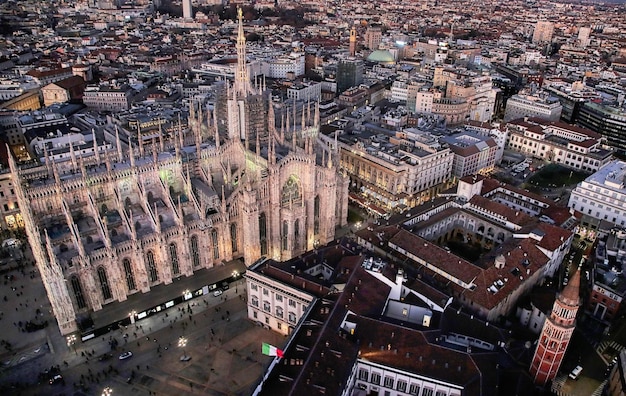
(242, 80)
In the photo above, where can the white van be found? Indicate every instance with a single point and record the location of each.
(576, 372)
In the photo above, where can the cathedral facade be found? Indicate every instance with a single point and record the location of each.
(123, 221)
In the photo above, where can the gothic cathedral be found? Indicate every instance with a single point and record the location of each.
(125, 220)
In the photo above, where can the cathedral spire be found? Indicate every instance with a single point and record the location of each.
(73, 156)
(258, 145)
(223, 203)
(107, 162)
(180, 133)
(131, 153)
(120, 155)
(282, 129)
(271, 119)
(273, 147)
(83, 170)
(242, 80)
(316, 117)
(161, 143)
(47, 156)
(217, 133)
(95, 146)
(139, 139)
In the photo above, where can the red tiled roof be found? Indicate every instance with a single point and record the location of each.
(512, 215)
(433, 254)
(405, 349)
(47, 73)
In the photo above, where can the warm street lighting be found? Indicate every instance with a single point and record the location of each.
(107, 391)
(182, 343)
(71, 340)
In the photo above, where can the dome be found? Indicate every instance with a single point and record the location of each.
(381, 56)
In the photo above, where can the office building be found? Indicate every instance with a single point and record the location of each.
(520, 106)
(349, 73)
(608, 120)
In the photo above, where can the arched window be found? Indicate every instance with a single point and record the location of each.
(152, 271)
(233, 237)
(263, 233)
(216, 244)
(78, 292)
(174, 259)
(296, 235)
(316, 215)
(128, 271)
(104, 284)
(195, 254)
(291, 192)
(285, 235)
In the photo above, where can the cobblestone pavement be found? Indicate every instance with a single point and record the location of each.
(223, 347)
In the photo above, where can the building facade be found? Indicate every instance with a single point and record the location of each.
(520, 106)
(349, 73)
(543, 32)
(108, 98)
(555, 142)
(473, 154)
(394, 175)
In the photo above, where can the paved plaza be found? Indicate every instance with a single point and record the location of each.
(206, 347)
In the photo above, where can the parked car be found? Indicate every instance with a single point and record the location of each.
(576, 372)
(126, 355)
(218, 292)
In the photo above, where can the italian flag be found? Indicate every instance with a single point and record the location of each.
(271, 350)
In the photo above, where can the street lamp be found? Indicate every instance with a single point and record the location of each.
(182, 343)
(107, 391)
(71, 340)
(131, 315)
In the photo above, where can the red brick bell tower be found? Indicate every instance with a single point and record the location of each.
(556, 333)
